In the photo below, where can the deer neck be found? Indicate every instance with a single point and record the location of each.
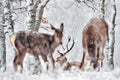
(57, 40)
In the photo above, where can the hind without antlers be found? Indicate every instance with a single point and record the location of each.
(36, 44)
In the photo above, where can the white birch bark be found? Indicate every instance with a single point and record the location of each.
(102, 9)
(33, 61)
(8, 17)
(111, 40)
(2, 42)
(9, 29)
(39, 13)
(35, 12)
(7, 20)
(32, 6)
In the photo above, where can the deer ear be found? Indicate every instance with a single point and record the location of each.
(52, 27)
(61, 26)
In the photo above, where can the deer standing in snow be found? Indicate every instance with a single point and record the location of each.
(36, 43)
(94, 37)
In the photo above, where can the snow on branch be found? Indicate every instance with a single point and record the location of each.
(21, 8)
(92, 7)
(3, 25)
(88, 3)
(44, 3)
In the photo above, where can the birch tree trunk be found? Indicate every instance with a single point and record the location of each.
(111, 33)
(111, 40)
(32, 7)
(2, 42)
(39, 13)
(33, 63)
(8, 17)
(7, 30)
(102, 9)
(35, 12)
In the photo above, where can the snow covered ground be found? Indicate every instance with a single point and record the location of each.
(57, 74)
(61, 75)
(73, 27)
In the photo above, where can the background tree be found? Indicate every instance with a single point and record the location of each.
(35, 12)
(111, 41)
(2, 41)
(8, 17)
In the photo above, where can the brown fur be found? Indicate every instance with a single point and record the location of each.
(71, 64)
(36, 44)
(62, 60)
(94, 37)
(12, 40)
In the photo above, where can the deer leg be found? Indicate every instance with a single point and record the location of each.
(18, 60)
(50, 62)
(21, 58)
(101, 56)
(15, 62)
(44, 62)
(96, 64)
(82, 66)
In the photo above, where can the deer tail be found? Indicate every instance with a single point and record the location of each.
(12, 39)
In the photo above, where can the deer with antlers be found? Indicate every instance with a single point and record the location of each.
(62, 59)
(36, 43)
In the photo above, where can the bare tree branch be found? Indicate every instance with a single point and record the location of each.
(87, 3)
(21, 8)
(3, 25)
(69, 6)
(44, 3)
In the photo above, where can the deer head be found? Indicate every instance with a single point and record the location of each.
(58, 33)
(36, 44)
(62, 58)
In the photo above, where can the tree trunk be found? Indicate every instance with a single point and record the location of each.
(102, 9)
(2, 49)
(111, 15)
(33, 63)
(8, 17)
(111, 37)
(5, 32)
(2, 43)
(35, 12)
(39, 13)
(32, 7)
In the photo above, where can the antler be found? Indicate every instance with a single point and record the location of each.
(67, 47)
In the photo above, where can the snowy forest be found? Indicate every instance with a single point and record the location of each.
(46, 40)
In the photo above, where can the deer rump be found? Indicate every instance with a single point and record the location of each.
(36, 44)
(94, 37)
